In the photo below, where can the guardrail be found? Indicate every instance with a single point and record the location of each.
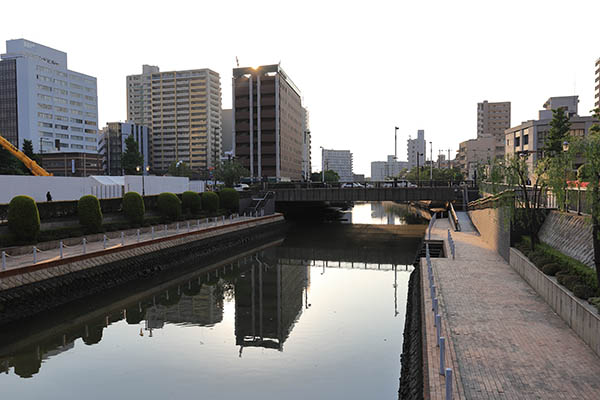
(437, 323)
(431, 223)
(399, 183)
(453, 218)
(451, 245)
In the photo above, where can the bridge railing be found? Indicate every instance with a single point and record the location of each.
(399, 183)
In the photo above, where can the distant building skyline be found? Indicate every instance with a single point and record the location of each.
(339, 161)
(416, 146)
(112, 145)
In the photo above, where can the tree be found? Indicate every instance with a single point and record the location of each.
(330, 176)
(9, 164)
(132, 158)
(230, 172)
(557, 161)
(558, 133)
(588, 147)
(179, 168)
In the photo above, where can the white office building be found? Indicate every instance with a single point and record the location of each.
(415, 149)
(339, 161)
(54, 107)
(382, 170)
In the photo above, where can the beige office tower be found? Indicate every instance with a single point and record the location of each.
(492, 120)
(183, 109)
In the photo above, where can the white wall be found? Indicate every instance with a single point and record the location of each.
(72, 188)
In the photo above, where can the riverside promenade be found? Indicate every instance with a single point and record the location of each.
(503, 341)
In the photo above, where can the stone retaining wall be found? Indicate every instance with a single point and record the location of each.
(30, 290)
(579, 315)
(493, 225)
(570, 234)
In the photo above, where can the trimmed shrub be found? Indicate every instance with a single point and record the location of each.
(551, 269)
(595, 301)
(169, 205)
(191, 202)
(23, 218)
(583, 291)
(230, 199)
(210, 201)
(90, 215)
(133, 207)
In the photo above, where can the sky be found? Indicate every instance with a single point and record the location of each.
(363, 67)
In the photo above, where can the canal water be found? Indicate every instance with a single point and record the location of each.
(318, 314)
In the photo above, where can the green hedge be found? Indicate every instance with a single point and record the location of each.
(191, 202)
(23, 218)
(230, 199)
(572, 273)
(210, 201)
(133, 207)
(90, 215)
(169, 205)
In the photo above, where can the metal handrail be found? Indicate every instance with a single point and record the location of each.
(453, 218)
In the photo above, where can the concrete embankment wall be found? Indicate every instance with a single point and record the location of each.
(493, 225)
(579, 315)
(30, 290)
(571, 234)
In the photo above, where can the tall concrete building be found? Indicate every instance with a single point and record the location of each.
(492, 120)
(306, 145)
(227, 129)
(416, 148)
(43, 101)
(339, 161)
(382, 170)
(268, 121)
(112, 145)
(475, 152)
(183, 110)
(597, 85)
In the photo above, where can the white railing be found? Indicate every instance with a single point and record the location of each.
(451, 244)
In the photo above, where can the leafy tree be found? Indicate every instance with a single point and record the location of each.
(28, 151)
(497, 172)
(179, 168)
(588, 147)
(330, 176)
(439, 174)
(131, 157)
(9, 164)
(230, 172)
(558, 133)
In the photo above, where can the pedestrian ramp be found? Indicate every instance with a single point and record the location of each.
(465, 222)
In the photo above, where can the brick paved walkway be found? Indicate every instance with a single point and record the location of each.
(17, 261)
(505, 341)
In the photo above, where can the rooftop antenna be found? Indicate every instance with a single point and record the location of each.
(237, 61)
(396, 143)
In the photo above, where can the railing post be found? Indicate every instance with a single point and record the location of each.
(198, 224)
(34, 254)
(60, 247)
(438, 327)
(188, 226)
(104, 241)
(448, 383)
(84, 243)
(177, 228)
(3, 260)
(442, 355)
(152, 232)
(165, 230)
(435, 306)
(223, 220)
(138, 235)
(122, 239)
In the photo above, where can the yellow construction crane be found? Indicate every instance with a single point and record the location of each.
(29, 163)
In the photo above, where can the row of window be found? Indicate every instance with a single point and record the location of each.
(65, 92)
(62, 74)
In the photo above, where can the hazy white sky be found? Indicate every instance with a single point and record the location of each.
(363, 66)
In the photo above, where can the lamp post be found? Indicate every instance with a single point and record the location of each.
(144, 171)
(565, 150)
(418, 169)
(430, 162)
(323, 163)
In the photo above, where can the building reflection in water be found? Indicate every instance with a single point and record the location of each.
(269, 300)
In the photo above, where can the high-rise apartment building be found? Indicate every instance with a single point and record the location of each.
(43, 101)
(415, 150)
(339, 161)
(183, 110)
(306, 145)
(382, 170)
(597, 85)
(492, 120)
(112, 145)
(268, 122)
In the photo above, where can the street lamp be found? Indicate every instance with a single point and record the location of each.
(418, 169)
(146, 169)
(430, 162)
(565, 147)
(323, 163)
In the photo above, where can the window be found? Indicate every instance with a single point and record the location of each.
(77, 121)
(76, 129)
(44, 87)
(61, 91)
(91, 147)
(517, 141)
(63, 127)
(44, 115)
(77, 146)
(526, 139)
(90, 139)
(44, 97)
(44, 125)
(61, 118)
(62, 136)
(45, 106)
(61, 109)
(76, 103)
(76, 86)
(61, 100)
(74, 137)
(77, 95)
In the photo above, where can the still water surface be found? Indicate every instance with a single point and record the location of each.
(276, 323)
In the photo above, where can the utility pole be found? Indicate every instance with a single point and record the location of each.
(430, 161)
(439, 159)
(396, 143)
(448, 158)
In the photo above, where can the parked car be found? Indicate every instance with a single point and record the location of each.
(240, 187)
(352, 185)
